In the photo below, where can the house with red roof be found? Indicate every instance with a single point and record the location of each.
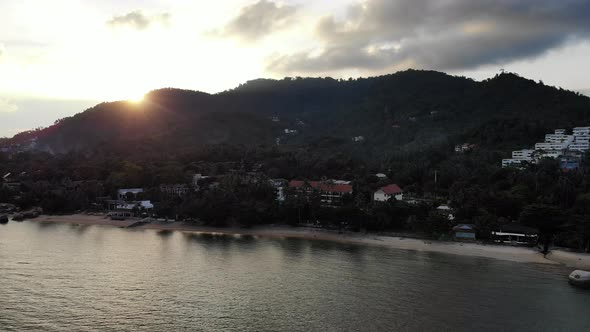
(331, 191)
(384, 194)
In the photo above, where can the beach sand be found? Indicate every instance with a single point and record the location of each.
(509, 253)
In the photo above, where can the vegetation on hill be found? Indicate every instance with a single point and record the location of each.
(410, 122)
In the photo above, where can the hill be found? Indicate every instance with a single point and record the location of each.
(406, 111)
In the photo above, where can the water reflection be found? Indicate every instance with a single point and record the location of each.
(165, 233)
(101, 278)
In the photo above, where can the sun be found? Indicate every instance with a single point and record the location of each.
(136, 99)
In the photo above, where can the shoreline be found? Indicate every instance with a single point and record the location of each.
(508, 253)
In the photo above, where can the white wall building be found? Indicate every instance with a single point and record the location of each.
(581, 131)
(526, 154)
(512, 162)
(384, 194)
(555, 146)
(580, 146)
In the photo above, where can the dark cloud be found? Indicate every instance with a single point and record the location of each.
(439, 34)
(138, 20)
(258, 20)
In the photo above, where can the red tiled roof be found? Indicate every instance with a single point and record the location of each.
(391, 189)
(323, 186)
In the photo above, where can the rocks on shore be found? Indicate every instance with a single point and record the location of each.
(3, 219)
(30, 214)
(6, 208)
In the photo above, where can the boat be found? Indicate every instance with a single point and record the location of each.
(580, 278)
(3, 219)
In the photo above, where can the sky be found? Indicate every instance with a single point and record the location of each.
(60, 57)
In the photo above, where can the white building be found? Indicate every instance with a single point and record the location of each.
(556, 145)
(558, 138)
(525, 154)
(279, 185)
(579, 131)
(122, 193)
(384, 194)
(290, 131)
(580, 146)
(551, 154)
(513, 162)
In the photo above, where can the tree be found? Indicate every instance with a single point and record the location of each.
(548, 219)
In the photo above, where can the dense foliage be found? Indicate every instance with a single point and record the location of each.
(410, 122)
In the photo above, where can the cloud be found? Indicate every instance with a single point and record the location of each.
(445, 35)
(258, 20)
(138, 20)
(7, 106)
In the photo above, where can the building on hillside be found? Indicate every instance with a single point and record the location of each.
(460, 148)
(464, 232)
(197, 178)
(556, 145)
(446, 211)
(515, 233)
(581, 131)
(580, 146)
(381, 176)
(174, 189)
(358, 139)
(129, 194)
(518, 163)
(291, 131)
(384, 194)
(526, 154)
(331, 191)
(279, 185)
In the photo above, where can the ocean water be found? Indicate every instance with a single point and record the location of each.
(56, 277)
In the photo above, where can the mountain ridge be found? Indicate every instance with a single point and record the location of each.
(405, 110)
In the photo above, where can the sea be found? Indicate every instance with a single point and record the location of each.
(61, 277)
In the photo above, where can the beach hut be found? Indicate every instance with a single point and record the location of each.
(464, 232)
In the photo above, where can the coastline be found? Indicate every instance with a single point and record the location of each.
(508, 253)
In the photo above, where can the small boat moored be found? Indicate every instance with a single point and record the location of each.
(580, 278)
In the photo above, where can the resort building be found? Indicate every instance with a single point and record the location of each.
(123, 194)
(174, 189)
(384, 194)
(331, 191)
(121, 209)
(526, 154)
(557, 145)
(515, 233)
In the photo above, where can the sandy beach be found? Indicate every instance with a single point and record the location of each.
(509, 253)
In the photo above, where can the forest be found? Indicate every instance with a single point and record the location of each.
(410, 122)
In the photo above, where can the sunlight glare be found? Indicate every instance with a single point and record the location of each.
(136, 99)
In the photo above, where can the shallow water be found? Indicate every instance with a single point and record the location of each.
(56, 277)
